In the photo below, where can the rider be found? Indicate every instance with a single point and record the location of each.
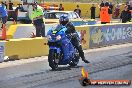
(64, 20)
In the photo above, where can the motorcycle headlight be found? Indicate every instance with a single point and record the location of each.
(58, 37)
(48, 37)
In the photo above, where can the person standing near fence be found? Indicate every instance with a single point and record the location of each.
(78, 11)
(105, 14)
(37, 20)
(61, 8)
(125, 15)
(3, 13)
(93, 8)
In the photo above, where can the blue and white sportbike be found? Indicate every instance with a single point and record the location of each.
(61, 50)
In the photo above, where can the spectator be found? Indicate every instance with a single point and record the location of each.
(93, 11)
(125, 15)
(37, 20)
(78, 11)
(61, 8)
(105, 14)
(10, 5)
(3, 12)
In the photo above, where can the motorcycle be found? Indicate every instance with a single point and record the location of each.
(61, 50)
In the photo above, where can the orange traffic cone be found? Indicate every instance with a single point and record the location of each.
(4, 32)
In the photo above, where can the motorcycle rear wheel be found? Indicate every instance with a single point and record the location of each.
(75, 60)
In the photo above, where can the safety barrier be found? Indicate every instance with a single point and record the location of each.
(33, 47)
(109, 34)
(84, 36)
(28, 30)
(98, 35)
(25, 48)
(92, 36)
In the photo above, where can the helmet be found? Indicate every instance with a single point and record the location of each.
(63, 19)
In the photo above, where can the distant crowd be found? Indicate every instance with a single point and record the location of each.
(107, 11)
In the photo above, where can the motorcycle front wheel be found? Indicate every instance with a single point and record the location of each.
(52, 60)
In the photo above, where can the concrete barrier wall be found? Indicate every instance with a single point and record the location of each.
(91, 36)
(2, 50)
(34, 47)
(26, 48)
(84, 36)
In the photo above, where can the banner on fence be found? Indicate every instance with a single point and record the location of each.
(110, 34)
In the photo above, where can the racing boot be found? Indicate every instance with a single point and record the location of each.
(81, 54)
(86, 61)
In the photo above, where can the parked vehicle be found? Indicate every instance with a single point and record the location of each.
(56, 14)
(53, 17)
(61, 50)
